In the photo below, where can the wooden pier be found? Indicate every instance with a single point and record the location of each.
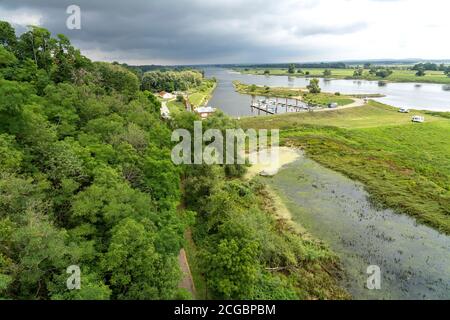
(272, 107)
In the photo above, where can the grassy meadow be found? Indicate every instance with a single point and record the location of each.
(200, 95)
(404, 165)
(396, 76)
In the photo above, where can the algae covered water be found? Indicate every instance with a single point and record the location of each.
(414, 259)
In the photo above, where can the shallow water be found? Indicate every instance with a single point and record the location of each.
(414, 259)
(410, 95)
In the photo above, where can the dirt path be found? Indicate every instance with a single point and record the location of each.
(187, 282)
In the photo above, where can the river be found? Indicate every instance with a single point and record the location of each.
(414, 259)
(432, 97)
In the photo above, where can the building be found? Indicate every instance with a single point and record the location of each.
(166, 95)
(205, 112)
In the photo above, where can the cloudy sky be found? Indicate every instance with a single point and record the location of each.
(244, 31)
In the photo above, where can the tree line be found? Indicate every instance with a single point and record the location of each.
(171, 80)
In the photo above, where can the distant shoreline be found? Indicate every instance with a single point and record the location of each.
(398, 76)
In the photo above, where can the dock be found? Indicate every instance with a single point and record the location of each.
(273, 106)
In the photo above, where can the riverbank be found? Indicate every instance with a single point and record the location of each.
(413, 258)
(432, 97)
(322, 99)
(397, 76)
(198, 96)
(201, 95)
(403, 165)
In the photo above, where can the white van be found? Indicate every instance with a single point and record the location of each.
(419, 119)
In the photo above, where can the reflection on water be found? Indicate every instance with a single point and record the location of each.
(434, 97)
(414, 259)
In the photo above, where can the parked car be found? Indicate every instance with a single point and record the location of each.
(403, 110)
(419, 119)
(332, 105)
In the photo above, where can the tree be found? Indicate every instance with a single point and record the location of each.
(67, 61)
(14, 96)
(327, 73)
(447, 71)
(420, 72)
(426, 66)
(116, 77)
(37, 44)
(170, 81)
(7, 58)
(291, 68)
(36, 249)
(313, 86)
(7, 36)
(358, 72)
(230, 268)
(383, 73)
(10, 156)
(136, 270)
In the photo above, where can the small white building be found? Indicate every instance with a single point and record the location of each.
(166, 95)
(205, 112)
(418, 119)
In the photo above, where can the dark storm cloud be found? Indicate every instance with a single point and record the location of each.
(196, 31)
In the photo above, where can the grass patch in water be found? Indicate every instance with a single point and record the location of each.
(405, 166)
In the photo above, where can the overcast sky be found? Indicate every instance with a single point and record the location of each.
(244, 31)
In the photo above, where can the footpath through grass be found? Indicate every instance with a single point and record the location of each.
(404, 165)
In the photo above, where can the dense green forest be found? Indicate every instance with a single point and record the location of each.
(86, 179)
(171, 80)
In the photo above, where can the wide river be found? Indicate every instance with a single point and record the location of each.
(435, 97)
(414, 259)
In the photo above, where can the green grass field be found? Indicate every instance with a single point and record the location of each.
(397, 75)
(199, 96)
(175, 106)
(404, 165)
(323, 99)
